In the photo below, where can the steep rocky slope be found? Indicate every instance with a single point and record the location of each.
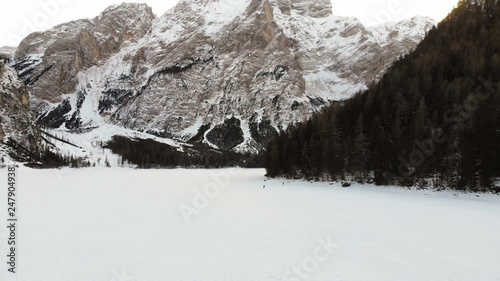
(18, 131)
(224, 73)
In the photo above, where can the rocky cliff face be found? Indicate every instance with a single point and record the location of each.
(18, 131)
(59, 54)
(224, 73)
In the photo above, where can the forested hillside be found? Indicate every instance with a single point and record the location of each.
(432, 120)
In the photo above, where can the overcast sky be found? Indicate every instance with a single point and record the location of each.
(21, 17)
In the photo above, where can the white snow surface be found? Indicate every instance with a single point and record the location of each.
(125, 224)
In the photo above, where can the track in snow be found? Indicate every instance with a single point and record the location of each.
(126, 225)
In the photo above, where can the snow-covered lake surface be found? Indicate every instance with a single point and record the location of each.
(159, 225)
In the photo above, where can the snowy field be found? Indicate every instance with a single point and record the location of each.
(222, 225)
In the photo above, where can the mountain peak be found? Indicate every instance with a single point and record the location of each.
(211, 71)
(133, 11)
(312, 8)
(126, 6)
(308, 8)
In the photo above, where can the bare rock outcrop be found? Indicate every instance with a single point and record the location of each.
(67, 49)
(17, 125)
(207, 66)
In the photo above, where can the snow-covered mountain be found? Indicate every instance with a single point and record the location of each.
(224, 73)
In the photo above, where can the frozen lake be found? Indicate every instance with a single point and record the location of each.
(223, 225)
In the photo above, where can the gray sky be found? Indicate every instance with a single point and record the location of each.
(21, 17)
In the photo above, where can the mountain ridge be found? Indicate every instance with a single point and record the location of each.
(267, 64)
(432, 121)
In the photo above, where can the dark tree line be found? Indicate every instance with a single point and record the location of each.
(151, 154)
(434, 118)
(43, 157)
